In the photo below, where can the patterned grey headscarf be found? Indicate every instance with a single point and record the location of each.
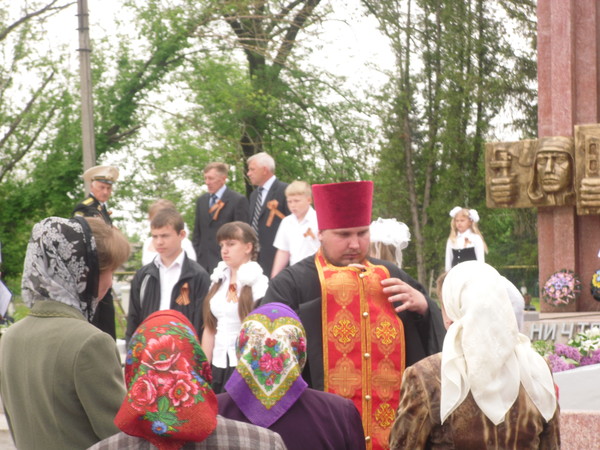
(62, 264)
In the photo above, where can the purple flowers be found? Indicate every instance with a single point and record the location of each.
(558, 364)
(593, 358)
(561, 288)
(582, 350)
(568, 352)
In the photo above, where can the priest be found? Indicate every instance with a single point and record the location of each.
(365, 319)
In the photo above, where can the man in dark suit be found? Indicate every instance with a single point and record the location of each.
(100, 179)
(220, 205)
(267, 206)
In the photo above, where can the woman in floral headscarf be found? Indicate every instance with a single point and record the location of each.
(487, 388)
(169, 400)
(60, 377)
(267, 388)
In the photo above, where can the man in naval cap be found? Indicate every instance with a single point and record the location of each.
(101, 180)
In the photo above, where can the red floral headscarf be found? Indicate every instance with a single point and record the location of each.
(169, 400)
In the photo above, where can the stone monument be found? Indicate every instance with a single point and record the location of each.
(559, 173)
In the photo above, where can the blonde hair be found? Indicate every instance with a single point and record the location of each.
(298, 187)
(243, 232)
(464, 212)
(387, 252)
(159, 204)
(112, 246)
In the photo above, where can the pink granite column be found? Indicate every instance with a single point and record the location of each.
(568, 95)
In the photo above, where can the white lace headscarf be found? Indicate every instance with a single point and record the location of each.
(483, 351)
(61, 264)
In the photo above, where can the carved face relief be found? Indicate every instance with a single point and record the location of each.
(553, 170)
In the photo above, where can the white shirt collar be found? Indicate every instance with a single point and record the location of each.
(220, 192)
(179, 260)
(268, 184)
(465, 233)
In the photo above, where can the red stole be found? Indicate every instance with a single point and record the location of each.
(363, 344)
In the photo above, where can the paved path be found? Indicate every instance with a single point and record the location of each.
(6, 442)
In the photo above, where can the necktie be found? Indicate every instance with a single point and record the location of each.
(257, 209)
(213, 199)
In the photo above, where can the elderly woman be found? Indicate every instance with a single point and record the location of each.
(60, 376)
(169, 401)
(488, 388)
(267, 388)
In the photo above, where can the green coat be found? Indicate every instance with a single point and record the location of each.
(60, 379)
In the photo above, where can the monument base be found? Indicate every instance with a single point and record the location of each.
(558, 327)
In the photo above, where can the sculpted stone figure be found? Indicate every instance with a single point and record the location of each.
(504, 186)
(508, 166)
(587, 172)
(551, 181)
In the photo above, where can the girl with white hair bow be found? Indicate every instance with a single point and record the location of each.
(465, 242)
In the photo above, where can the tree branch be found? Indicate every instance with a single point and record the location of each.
(49, 7)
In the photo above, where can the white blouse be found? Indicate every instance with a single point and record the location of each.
(228, 319)
(465, 240)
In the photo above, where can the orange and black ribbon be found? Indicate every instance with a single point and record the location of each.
(309, 233)
(184, 296)
(273, 211)
(216, 208)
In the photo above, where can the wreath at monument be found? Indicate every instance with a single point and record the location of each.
(596, 285)
(561, 289)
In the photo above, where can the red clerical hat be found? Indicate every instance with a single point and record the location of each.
(343, 205)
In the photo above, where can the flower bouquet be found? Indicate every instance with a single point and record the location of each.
(596, 285)
(561, 289)
(582, 350)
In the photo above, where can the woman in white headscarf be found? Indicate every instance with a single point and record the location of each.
(488, 388)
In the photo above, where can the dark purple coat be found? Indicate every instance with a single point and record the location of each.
(317, 420)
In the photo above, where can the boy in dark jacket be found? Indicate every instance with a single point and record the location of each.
(171, 280)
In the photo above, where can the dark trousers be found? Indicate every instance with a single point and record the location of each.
(104, 317)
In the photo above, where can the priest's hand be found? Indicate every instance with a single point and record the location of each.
(411, 299)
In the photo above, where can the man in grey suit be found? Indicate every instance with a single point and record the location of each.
(220, 205)
(267, 206)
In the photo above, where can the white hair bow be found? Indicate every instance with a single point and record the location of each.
(455, 211)
(473, 214)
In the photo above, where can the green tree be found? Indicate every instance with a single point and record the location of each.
(178, 85)
(455, 73)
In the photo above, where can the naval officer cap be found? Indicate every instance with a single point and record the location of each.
(105, 174)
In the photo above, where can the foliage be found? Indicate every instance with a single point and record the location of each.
(582, 350)
(177, 85)
(455, 73)
(245, 88)
(182, 83)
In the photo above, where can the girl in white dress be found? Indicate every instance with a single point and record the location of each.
(465, 242)
(238, 283)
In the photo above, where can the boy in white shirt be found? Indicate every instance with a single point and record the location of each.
(297, 234)
(171, 280)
